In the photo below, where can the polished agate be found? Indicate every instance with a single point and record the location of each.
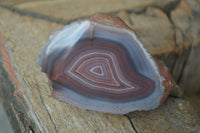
(101, 67)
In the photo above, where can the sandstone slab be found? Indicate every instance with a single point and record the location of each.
(175, 116)
(186, 18)
(74, 9)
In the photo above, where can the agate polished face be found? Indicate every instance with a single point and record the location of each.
(100, 64)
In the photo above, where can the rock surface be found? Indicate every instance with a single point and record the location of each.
(175, 116)
(73, 9)
(27, 97)
(186, 18)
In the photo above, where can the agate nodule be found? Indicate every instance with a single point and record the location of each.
(100, 64)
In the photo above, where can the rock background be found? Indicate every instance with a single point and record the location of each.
(168, 29)
(4, 123)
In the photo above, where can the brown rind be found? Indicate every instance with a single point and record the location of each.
(110, 20)
(167, 82)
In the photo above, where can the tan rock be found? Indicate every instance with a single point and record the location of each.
(175, 116)
(73, 9)
(155, 31)
(186, 19)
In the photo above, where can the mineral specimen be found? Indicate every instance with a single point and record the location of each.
(100, 64)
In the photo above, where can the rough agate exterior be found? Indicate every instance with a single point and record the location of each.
(100, 64)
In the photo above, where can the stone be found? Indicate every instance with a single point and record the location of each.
(155, 31)
(75, 9)
(186, 19)
(175, 116)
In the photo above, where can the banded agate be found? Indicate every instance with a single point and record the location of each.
(100, 64)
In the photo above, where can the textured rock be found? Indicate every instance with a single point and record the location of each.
(187, 19)
(67, 10)
(175, 116)
(73, 9)
(155, 31)
(194, 100)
